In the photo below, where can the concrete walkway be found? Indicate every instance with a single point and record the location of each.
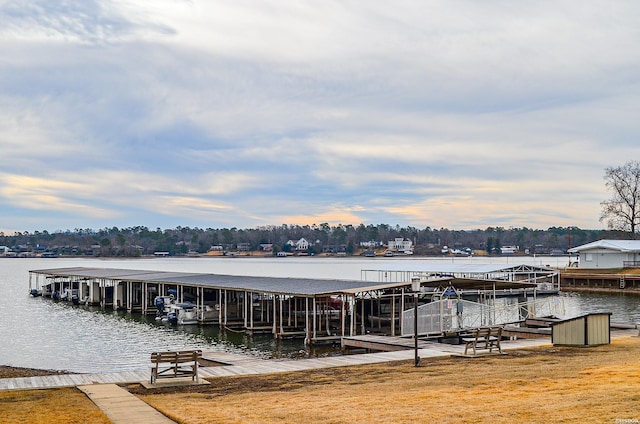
(121, 407)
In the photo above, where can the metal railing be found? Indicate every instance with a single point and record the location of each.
(456, 314)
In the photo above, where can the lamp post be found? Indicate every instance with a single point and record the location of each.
(415, 287)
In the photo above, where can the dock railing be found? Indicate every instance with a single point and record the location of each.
(448, 315)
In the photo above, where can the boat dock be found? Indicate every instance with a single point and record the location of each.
(317, 310)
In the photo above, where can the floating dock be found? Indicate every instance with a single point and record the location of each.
(598, 280)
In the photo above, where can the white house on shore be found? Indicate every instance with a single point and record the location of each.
(301, 244)
(608, 254)
(401, 245)
(509, 250)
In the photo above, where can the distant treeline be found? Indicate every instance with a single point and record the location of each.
(140, 240)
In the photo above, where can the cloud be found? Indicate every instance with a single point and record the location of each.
(448, 114)
(32, 193)
(86, 22)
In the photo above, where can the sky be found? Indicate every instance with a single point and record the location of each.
(236, 113)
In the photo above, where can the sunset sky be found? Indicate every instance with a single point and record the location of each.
(216, 113)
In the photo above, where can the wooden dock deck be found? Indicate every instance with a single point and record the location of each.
(381, 343)
(245, 365)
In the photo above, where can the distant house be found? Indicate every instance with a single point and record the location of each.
(399, 244)
(243, 247)
(371, 244)
(608, 254)
(509, 250)
(4, 250)
(334, 248)
(301, 244)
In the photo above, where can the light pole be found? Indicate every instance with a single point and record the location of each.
(415, 287)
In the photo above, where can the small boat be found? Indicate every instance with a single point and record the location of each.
(35, 292)
(183, 314)
(71, 295)
(163, 306)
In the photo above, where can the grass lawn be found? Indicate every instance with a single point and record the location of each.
(51, 406)
(545, 385)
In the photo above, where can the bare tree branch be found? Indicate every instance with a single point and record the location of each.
(622, 210)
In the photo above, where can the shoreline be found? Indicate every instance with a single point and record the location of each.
(8, 371)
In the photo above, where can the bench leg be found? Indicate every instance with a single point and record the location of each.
(473, 346)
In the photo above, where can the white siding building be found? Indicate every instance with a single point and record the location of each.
(509, 250)
(608, 254)
(301, 244)
(401, 245)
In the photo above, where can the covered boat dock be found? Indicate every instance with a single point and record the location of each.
(316, 309)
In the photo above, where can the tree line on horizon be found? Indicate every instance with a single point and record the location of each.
(140, 240)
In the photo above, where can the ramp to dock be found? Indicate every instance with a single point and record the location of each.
(381, 343)
(121, 407)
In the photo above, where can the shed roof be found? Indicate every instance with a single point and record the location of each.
(615, 245)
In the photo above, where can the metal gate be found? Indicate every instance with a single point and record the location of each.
(456, 314)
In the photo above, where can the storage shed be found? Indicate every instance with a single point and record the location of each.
(585, 330)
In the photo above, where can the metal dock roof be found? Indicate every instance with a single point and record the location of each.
(453, 268)
(276, 285)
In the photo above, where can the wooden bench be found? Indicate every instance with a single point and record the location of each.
(175, 364)
(484, 338)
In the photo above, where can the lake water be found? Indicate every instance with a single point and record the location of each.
(39, 333)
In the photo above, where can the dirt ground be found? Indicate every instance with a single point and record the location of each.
(11, 372)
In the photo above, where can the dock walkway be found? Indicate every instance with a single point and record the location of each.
(244, 365)
(121, 407)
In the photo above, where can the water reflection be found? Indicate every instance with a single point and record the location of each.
(625, 307)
